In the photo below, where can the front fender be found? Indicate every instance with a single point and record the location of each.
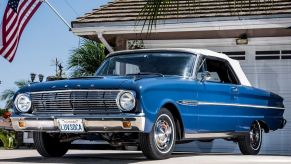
(151, 112)
(153, 98)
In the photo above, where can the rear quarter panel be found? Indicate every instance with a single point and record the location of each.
(257, 97)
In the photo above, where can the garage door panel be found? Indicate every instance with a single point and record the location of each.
(268, 70)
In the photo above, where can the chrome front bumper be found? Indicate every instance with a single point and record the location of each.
(100, 123)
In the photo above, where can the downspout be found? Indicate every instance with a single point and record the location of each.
(104, 41)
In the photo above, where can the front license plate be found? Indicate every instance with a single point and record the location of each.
(71, 125)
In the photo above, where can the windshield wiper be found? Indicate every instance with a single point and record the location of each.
(145, 73)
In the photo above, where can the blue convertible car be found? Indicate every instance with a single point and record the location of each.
(153, 99)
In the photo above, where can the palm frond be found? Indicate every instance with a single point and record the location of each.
(86, 59)
(155, 10)
(21, 83)
(7, 96)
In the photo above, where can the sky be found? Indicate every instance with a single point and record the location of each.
(45, 38)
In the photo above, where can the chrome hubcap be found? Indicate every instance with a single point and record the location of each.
(255, 136)
(163, 134)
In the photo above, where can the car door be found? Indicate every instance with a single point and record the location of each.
(217, 96)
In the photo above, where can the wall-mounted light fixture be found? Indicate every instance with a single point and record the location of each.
(242, 40)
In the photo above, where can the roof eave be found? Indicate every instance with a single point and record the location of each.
(130, 27)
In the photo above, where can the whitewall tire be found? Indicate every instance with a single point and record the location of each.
(160, 142)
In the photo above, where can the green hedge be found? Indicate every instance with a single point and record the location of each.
(4, 139)
(5, 135)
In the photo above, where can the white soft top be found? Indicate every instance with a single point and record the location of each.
(234, 63)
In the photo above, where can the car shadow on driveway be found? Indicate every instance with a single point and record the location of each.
(113, 157)
(100, 158)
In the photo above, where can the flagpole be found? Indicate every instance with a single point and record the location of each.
(58, 14)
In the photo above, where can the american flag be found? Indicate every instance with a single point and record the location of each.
(16, 16)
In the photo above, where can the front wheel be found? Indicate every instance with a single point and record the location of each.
(251, 143)
(49, 145)
(160, 142)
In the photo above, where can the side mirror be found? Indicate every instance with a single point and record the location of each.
(205, 75)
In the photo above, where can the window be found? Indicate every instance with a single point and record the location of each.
(125, 68)
(267, 55)
(237, 55)
(273, 55)
(286, 54)
(218, 71)
(166, 63)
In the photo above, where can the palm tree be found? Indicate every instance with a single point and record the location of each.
(86, 59)
(8, 94)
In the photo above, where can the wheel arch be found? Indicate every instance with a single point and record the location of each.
(264, 126)
(178, 119)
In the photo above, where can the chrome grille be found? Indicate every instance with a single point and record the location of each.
(95, 101)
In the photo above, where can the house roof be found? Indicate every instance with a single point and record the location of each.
(129, 10)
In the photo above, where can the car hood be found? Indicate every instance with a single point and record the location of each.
(75, 84)
(126, 83)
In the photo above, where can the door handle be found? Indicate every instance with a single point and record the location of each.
(234, 90)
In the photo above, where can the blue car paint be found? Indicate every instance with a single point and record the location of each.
(251, 95)
(216, 118)
(236, 118)
(155, 92)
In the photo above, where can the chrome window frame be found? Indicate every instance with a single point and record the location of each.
(230, 66)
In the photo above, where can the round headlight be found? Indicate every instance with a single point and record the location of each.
(126, 101)
(22, 103)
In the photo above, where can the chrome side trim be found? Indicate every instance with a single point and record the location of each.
(188, 102)
(212, 135)
(197, 103)
(239, 105)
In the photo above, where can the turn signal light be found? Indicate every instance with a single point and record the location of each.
(126, 124)
(21, 124)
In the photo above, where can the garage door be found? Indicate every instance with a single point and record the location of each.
(267, 64)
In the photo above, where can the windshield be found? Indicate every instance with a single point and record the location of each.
(163, 63)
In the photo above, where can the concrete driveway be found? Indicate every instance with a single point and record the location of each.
(108, 156)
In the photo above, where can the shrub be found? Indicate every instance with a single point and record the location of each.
(4, 139)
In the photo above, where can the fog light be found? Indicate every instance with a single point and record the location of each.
(21, 124)
(126, 124)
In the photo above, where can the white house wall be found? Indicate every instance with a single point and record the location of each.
(273, 75)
